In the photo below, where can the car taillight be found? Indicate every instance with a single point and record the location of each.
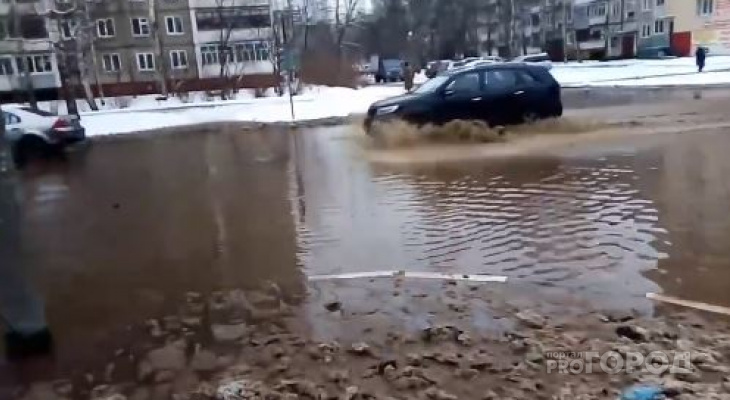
(61, 123)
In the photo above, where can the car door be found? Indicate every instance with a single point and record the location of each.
(461, 98)
(533, 94)
(500, 103)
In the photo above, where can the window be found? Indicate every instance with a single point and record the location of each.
(597, 10)
(647, 5)
(105, 28)
(11, 119)
(616, 9)
(705, 8)
(631, 14)
(501, 79)
(659, 3)
(209, 54)
(178, 59)
(174, 25)
(645, 30)
(140, 27)
(3, 28)
(37, 64)
(464, 83)
(68, 28)
(251, 51)
(111, 62)
(659, 27)
(6, 66)
(145, 61)
(233, 18)
(526, 78)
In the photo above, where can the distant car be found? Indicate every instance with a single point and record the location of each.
(34, 133)
(498, 94)
(389, 70)
(464, 62)
(541, 59)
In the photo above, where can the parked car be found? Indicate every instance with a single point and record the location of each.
(542, 59)
(34, 133)
(498, 94)
(389, 70)
(464, 62)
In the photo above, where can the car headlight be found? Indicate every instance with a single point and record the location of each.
(386, 110)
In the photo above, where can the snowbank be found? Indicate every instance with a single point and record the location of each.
(147, 112)
(636, 72)
(314, 103)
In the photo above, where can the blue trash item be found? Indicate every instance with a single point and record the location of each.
(643, 392)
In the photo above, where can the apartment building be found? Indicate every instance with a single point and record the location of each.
(133, 46)
(232, 37)
(622, 28)
(128, 48)
(27, 59)
(536, 26)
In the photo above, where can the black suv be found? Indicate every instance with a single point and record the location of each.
(499, 94)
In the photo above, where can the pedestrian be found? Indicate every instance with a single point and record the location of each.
(407, 76)
(700, 55)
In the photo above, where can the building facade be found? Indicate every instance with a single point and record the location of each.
(233, 37)
(133, 46)
(27, 59)
(700, 23)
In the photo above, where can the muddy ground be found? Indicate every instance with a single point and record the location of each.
(180, 266)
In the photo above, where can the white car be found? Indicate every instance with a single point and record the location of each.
(537, 59)
(34, 133)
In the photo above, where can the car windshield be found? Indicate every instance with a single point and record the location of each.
(433, 84)
(391, 64)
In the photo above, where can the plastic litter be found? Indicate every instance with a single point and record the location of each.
(643, 392)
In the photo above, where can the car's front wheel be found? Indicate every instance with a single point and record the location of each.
(29, 148)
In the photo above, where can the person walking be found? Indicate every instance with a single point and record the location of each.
(700, 56)
(407, 76)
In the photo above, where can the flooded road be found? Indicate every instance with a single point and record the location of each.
(121, 233)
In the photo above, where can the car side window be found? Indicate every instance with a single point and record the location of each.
(526, 78)
(11, 119)
(499, 80)
(464, 84)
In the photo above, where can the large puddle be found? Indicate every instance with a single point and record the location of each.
(123, 232)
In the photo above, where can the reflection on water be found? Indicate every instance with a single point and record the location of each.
(574, 222)
(122, 234)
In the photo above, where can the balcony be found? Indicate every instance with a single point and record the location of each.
(597, 20)
(233, 4)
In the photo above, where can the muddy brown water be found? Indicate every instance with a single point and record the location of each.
(120, 232)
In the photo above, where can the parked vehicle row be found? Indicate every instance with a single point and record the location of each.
(35, 133)
(497, 93)
(434, 68)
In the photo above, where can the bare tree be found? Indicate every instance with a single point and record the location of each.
(346, 14)
(157, 40)
(16, 32)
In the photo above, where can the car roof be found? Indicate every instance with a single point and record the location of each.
(491, 66)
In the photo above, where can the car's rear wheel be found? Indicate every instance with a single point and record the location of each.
(29, 148)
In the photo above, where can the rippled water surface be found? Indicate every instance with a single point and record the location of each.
(120, 233)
